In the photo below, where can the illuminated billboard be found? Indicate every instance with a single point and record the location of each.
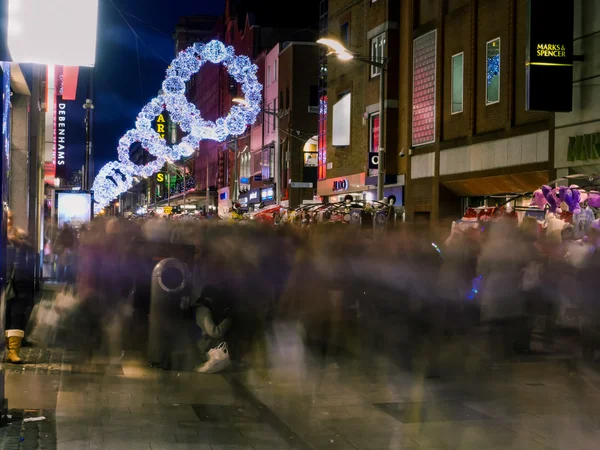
(341, 122)
(53, 31)
(73, 208)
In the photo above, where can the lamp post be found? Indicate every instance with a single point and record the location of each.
(342, 53)
(277, 168)
(88, 106)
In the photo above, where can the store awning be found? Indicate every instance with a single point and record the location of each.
(499, 184)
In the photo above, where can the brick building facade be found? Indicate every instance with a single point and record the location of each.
(369, 28)
(483, 140)
(252, 28)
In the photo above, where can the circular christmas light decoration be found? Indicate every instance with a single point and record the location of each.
(117, 177)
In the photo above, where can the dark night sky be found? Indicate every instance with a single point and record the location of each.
(123, 87)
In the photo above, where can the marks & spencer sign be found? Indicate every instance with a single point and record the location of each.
(549, 60)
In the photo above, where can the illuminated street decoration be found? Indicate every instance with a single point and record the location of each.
(117, 177)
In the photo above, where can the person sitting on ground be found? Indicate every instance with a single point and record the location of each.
(213, 316)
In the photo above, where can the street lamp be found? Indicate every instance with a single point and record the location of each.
(88, 106)
(337, 49)
(277, 167)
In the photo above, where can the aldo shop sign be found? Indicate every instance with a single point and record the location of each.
(549, 60)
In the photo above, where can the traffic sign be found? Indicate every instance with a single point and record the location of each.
(300, 184)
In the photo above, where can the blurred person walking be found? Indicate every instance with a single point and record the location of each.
(501, 264)
(65, 249)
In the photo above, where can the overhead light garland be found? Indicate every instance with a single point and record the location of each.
(116, 177)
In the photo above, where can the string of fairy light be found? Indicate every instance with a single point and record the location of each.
(117, 177)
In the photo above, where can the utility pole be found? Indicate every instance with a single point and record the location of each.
(381, 149)
(183, 174)
(88, 106)
(207, 188)
(277, 177)
(236, 177)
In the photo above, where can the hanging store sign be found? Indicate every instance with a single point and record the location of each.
(549, 62)
(340, 185)
(254, 196)
(373, 160)
(60, 131)
(161, 124)
(266, 194)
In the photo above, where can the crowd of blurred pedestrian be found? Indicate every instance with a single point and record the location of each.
(345, 291)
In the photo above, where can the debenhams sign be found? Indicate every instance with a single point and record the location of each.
(61, 133)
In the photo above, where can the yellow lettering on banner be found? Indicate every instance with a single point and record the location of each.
(160, 177)
(160, 128)
(168, 209)
(551, 50)
(160, 119)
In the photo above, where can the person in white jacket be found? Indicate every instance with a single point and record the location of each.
(213, 310)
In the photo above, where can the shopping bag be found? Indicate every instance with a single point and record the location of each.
(43, 324)
(48, 316)
(218, 360)
(531, 276)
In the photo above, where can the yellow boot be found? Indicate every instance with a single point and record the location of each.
(13, 345)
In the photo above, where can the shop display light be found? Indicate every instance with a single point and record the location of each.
(117, 177)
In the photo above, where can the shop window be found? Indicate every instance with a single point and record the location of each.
(345, 34)
(266, 163)
(268, 117)
(377, 53)
(424, 82)
(374, 132)
(492, 72)
(457, 82)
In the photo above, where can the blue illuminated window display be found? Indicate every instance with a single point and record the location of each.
(116, 177)
(492, 72)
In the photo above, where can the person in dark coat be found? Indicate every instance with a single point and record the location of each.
(19, 300)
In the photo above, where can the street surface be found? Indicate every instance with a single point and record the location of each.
(372, 404)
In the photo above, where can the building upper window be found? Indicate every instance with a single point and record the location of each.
(377, 53)
(424, 82)
(492, 72)
(457, 82)
(268, 117)
(345, 34)
(268, 75)
(275, 71)
(275, 111)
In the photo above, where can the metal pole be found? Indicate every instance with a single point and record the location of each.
(85, 176)
(236, 188)
(207, 188)
(381, 162)
(183, 174)
(277, 161)
(168, 187)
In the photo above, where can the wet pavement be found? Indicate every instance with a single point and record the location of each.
(289, 400)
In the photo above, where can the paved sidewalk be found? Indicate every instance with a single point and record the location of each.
(298, 403)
